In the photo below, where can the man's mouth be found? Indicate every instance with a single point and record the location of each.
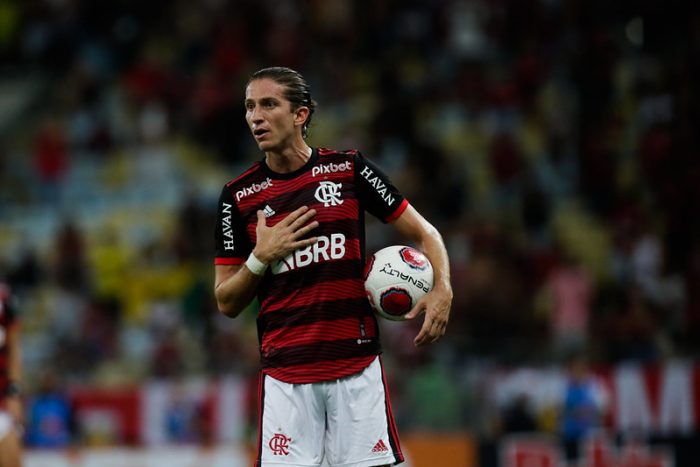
(259, 132)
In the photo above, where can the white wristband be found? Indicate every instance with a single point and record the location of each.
(256, 266)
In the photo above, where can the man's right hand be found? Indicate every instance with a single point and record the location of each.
(283, 238)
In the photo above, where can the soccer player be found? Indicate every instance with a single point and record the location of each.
(10, 403)
(290, 230)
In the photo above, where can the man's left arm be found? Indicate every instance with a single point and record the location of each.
(437, 303)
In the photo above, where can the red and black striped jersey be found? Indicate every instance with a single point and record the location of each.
(7, 321)
(314, 323)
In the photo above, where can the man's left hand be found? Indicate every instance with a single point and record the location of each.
(436, 304)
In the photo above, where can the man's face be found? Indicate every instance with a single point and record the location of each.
(269, 115)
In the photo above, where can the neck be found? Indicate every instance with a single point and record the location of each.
(289, 159)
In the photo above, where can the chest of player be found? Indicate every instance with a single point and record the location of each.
(333, 196)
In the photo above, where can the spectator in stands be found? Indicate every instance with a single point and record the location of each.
(50, 421)
(70, 267)
(583, 405)
(567, 297)
(51, 160)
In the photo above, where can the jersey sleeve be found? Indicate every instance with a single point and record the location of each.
(231, 239)
(374, 188)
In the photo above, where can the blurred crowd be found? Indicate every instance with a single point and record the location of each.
(550, 141)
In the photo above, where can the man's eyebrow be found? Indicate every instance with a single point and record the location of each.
(262, 100)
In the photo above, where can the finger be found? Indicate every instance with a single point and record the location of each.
(438, 328)
(261, 219)
(303, 219)
(304, 243)
(306, 229)
(294, 215)
(415, 311)
(436, 332)
(431, 332)
(421, 339)
(423, 335)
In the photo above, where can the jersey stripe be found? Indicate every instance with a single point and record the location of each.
(344, 214)
(330, 226)
(321, 331)
(322, 292)
(318, 352)
(298, 316)
(303, 197)
(290, 282)
(347, 211)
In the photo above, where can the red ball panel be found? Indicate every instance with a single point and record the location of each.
(396, 301)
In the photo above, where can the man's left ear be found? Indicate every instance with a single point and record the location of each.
(301, 115)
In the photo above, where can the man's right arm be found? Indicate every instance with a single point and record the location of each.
(235, 285)
(234, 288)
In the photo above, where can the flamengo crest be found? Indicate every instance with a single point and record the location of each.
(279, 444)
(329, 193)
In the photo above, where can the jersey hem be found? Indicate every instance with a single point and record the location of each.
(362, 363)
(395, 215)
(229, 261)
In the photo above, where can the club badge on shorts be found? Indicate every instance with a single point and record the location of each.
(279, 444)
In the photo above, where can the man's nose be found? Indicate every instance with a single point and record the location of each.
(255, 115)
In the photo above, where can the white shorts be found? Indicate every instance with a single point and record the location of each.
(348, 422)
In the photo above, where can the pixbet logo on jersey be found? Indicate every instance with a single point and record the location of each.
(254, 188)
(330, 168)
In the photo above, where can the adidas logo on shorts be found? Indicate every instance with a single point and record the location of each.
(380, 447)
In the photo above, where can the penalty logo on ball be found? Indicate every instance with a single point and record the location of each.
(396, 277)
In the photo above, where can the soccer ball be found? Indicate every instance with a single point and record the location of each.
(396, 277)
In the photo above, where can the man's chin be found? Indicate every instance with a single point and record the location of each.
(266, 146)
